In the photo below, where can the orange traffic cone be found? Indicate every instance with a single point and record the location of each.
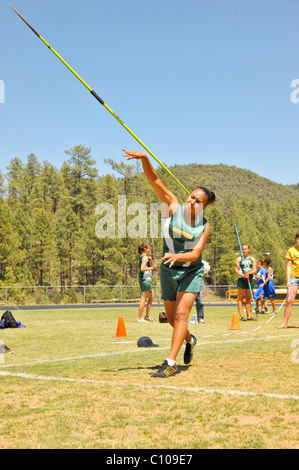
(121, 329)
(235, 322)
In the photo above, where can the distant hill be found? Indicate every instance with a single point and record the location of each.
(225, 179)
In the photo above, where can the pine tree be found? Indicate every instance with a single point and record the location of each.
(101, 259)
(80, 180)
(31, 189)
(2, 185)
(52, 187)
(13, 176)
(67, 235)
(7, 238)
(42, 247)
(22, 227)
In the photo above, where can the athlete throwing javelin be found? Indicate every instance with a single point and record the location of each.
(185, 233)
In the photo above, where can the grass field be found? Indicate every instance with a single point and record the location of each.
(72, 384)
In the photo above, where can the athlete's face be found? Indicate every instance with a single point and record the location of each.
(245, 250)
(196, 201)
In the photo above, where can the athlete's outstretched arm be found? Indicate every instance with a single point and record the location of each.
(160, 189)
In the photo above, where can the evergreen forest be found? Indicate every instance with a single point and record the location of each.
(49, 216)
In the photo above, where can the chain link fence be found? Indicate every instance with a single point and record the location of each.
(104, 294)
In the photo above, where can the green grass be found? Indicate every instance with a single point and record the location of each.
(111, 401)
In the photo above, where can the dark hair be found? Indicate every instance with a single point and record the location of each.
(210, 194)
(297, 235)
(142, 247)
(260, 261)
(268, 261)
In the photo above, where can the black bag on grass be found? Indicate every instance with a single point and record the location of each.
(9, 320)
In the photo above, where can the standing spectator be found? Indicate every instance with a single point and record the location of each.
(146, 267)
(198, 300)
(200, 306)
(292, 257)
(245, 269)
(259, 295)
(268, 284)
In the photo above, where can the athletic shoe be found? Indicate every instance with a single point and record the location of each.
(250, 318)
(243, 319)
(189, 351)
(141, 321)
(7, 350)
(165, 370)
(201, 320)
(148, 318)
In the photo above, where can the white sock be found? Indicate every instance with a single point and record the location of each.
(192, 340)
(170, 362)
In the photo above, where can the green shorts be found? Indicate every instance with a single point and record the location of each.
(179, 280)
(244, 284)
(146, 285)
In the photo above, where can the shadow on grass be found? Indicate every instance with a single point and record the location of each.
(150, 368)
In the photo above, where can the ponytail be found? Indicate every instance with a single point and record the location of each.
(210, 194)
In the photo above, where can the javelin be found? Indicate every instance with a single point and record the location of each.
(244, 260)
(99, 98)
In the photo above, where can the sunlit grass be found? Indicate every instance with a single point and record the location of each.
(113, 402)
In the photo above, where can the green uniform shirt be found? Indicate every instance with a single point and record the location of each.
(145, 277)
(246, 265)
(180, 237)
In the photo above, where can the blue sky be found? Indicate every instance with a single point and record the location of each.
(204, 81)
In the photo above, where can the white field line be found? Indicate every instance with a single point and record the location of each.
(71, 358)
(152, 386)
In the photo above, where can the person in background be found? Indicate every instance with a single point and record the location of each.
(268, 285)
(245, 269)
(292, 257)
(146, 267)
(198, 300)
(200, 306)
(259, 295)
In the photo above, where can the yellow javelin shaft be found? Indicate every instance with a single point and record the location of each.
(99, 99)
